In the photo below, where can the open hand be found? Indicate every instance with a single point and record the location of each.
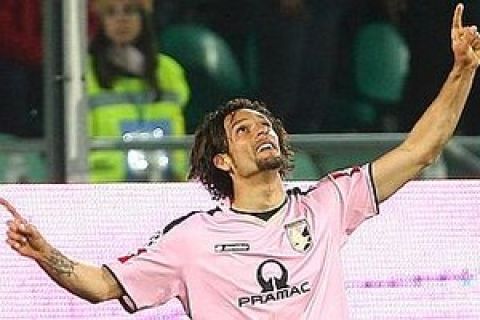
(22, 236)
(465, 41)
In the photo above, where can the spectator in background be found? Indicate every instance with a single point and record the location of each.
(134, 92)
(21, 67)
(241, 154)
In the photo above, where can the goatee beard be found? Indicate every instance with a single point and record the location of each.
(271, 163)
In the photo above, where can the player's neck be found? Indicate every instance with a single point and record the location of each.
(258, 194)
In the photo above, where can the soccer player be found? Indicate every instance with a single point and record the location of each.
(270, 253)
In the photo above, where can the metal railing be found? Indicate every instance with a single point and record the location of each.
(461, 155)
(325, 151)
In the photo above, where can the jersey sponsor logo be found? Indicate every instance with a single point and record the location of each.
(232, 247)
(299, 235)
(272, 277)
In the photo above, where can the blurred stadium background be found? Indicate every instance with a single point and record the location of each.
(389, 59)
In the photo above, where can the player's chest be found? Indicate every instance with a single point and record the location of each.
(288, 249)
(264, 269)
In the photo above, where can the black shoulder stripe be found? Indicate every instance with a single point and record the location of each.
(347, 172)
(297, 191)
(179, 220)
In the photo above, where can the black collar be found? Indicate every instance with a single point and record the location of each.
(264, 215)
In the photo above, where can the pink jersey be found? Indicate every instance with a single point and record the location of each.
(226, 265)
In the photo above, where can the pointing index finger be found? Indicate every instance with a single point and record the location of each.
(11, 209)
(457, 17)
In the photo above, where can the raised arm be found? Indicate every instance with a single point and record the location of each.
(433, 130)
(91, 283)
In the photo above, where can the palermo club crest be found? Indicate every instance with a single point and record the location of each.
(299, 235)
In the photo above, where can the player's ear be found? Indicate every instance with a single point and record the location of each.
(222, 162)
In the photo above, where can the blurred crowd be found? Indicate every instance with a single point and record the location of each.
(155, 67)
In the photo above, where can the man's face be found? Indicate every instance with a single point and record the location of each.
(122, 21)
(252, 143)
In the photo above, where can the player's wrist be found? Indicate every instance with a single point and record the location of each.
(463, 68)
(43, 253)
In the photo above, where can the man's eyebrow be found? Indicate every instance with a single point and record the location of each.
(259, 116)
(234, 123)
(263, 117)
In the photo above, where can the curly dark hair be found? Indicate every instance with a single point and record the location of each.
(211, 139)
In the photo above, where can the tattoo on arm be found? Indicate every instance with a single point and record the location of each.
(60, 264)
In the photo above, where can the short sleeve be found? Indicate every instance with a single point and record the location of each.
(357, 195)
(150, 277)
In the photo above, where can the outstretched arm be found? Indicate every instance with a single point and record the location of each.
(88, 282)
(433, 130)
